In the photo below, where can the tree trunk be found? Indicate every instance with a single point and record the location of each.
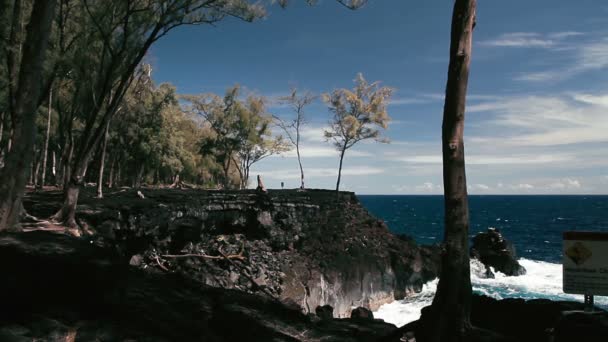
(102, 163)
(67, 160)
(54, 167)
(301, 168)
(118, 176)
(226, 174)
(139, 176)
(340, 167)
(45, 151)
(2, 117)
(1, 129)
(67, 213)
(13, 55)
(36, 169)
(448, 318)
(15, 172)
(111, 175)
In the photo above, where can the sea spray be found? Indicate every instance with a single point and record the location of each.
(542, 280)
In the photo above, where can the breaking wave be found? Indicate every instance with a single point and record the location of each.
(542, 280)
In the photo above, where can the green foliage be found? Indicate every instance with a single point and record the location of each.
(241, 128)
(358, 114)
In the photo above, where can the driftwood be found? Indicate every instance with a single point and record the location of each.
(205, 256)
(227, 257)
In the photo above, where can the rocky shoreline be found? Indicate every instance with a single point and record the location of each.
(186, 265)
(310, 248)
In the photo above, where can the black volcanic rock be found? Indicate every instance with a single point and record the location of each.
(325, 312)
(362, 314)
(311, 247)
(582, 326)
(519, 320)
(60, 288)
(493, 250)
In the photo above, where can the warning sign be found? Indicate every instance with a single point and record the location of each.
(586, 263)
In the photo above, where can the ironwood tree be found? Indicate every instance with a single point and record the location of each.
(358, 115)
(449, 316)
(23, 108)
(293, 128)
(242, 134)
(94, 51)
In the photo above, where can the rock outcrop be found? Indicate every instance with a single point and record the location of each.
(535, 320)
(493, 250)
(312, 247)
(60, 288)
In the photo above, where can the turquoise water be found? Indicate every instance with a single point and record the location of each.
(533, 223)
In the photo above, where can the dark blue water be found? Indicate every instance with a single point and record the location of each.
(533, 223)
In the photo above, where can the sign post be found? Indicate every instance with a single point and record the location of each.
(585, 265)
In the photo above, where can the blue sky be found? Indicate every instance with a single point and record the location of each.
(537, 111)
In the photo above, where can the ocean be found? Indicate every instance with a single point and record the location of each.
(533, 223)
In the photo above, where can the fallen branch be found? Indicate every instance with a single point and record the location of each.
(205, 256)
(160, 264)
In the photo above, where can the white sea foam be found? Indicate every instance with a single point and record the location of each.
(542, 280)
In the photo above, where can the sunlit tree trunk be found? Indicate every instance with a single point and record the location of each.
(45, 150)
(15, 172)
(448, 318)
(340, 167)
(111, 175)
(299, 158)
(36, 168)
(54, 167)
(102, 163)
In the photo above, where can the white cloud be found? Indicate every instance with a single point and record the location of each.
(314, 134)
(599, 100)
(523, 186)
(546, 120)
(565, 34)
(416, 99)
(428, 187)
(311, 173)
(327, 151)
(588, 56)
(491, 160)
(566, 183)
(523, 40)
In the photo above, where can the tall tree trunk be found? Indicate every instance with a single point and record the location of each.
(54, 167)
(15, 172)
(226, 174)
(300, 163)
(340, 167)
(2, 116)
(76, 177)
(111, 175)
(118, 176)
(139, 176)
(45, 151)
(102, 163)
(13, 56)
(31, 173)
(448, 318)
(36, 169)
